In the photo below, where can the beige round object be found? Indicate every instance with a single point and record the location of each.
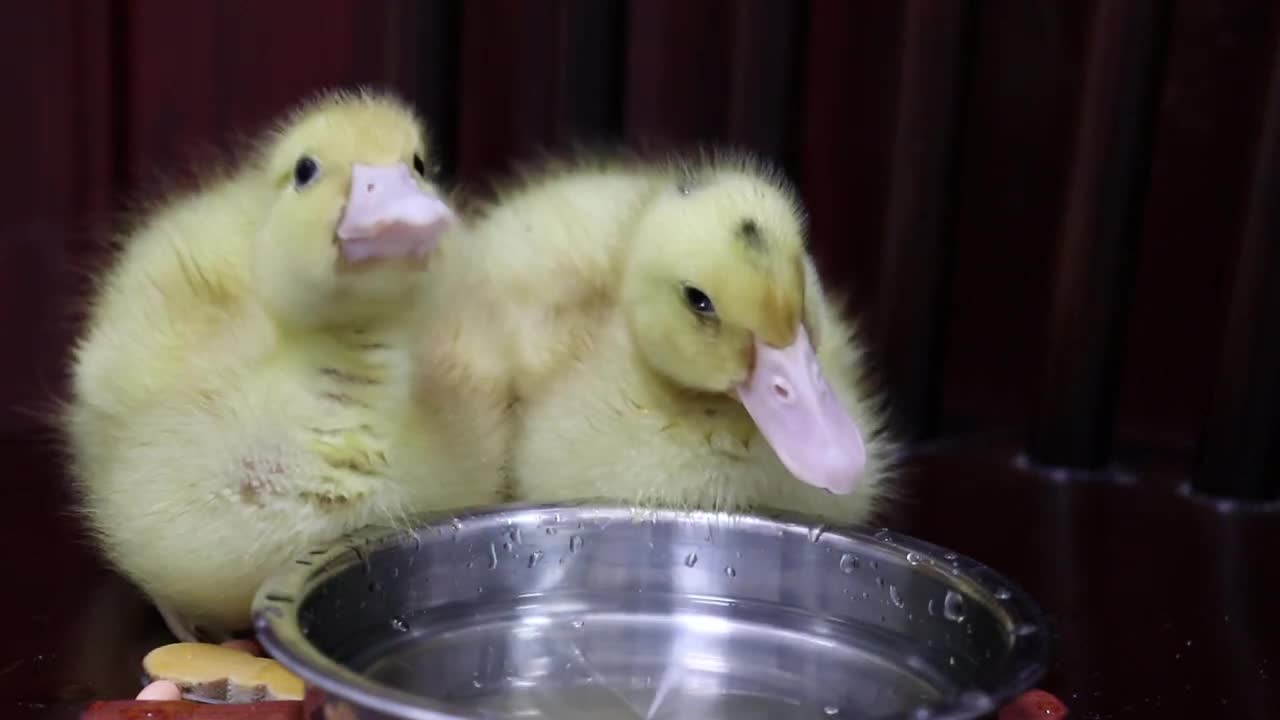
(160, 690)
(221, 673)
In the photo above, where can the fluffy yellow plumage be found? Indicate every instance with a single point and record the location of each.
(668, 341)
(243, 389)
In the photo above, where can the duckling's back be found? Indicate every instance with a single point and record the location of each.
(519, 293)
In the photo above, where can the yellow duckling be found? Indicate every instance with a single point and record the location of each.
(669, 342)
(243, 390)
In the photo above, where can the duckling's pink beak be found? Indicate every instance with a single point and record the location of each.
(388, 216)
(801, 418)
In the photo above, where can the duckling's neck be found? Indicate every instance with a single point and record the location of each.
(353, 365)
(717, 417)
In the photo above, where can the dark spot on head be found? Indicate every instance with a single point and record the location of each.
(750, 233)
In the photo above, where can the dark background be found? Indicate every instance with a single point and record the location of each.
(1058, 221)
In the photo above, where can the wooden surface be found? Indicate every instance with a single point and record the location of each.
(1164, 612)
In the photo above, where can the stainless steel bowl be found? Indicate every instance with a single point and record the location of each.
(594, 611)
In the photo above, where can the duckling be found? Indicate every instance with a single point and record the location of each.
(669, 342)
(243, 389)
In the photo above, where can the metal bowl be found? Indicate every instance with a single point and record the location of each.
(596, 611)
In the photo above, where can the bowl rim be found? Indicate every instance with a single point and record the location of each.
(276, 603)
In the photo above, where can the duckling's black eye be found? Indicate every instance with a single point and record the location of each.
(698, 301)
(419, 166)
(305, 171)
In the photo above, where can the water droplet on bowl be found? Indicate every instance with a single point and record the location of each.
(534, 557)
(953, 606)
(831, 710)
(913, 558)
(849, 563)
(399, 625)
(730, 571)
(493, 556)
(691, 559)
(895, 597)
(1003, 594)
(931, 610)
(475, 683)
(815, 533)
(1025, 629)
(879, 582)
(575, 543)
(577, 623)
(951, 556)
(515, 536)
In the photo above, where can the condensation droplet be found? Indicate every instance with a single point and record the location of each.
(931, 610)
(879, 582)
(1003, 594)
(1025, 629)
(575, 543)
(730, 571)
(399, 625)
(831, 710)
(913, 558)
(849, 563)
(953, 606)
(577, 623)
(894, 596)
(493, 556)
(816, 532)
(691, 559)
(535, 557)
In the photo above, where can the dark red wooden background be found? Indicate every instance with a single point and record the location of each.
(1059, 222)
(1056, 219)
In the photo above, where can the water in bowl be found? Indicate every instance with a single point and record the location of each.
(677, 658)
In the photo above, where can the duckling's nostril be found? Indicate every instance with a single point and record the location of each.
(781, 389)
(369, 187)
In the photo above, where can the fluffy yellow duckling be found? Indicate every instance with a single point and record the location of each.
(669, 342)
(243, 388)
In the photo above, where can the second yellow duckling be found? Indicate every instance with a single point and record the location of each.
(669, 342)
(243, 391)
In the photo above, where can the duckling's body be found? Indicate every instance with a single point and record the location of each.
(244, 391)
(626, 391)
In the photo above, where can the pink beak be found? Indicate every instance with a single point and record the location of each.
(802, 419)
(388, 216)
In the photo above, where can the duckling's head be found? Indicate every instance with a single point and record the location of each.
(353, 214)
(714, 294)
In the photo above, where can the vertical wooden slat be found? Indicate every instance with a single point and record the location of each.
(1238, 457)
(534, 76)
(1015, 147)
(1217, 70)
(1098, 234)
(850, 73)
(425, 66)
(764, 65)
(913, 266)
(54, 64)
(677, 85)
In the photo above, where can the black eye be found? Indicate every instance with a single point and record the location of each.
(419, 166)
(305, 171)
(698, 301)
